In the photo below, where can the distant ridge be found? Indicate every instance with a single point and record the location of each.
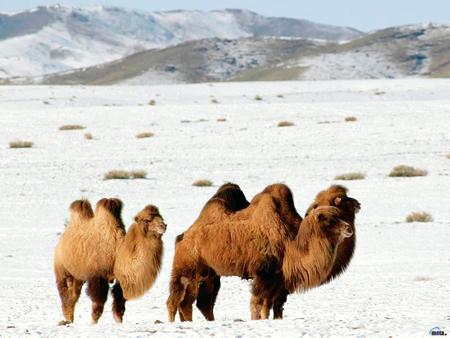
(51, 39)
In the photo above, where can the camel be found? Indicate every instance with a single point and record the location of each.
(88, 250)
(335, 195)
(250, 242)
(234, 199)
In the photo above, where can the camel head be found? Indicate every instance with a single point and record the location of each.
(328, 224)
(336, 196)
(150, 221)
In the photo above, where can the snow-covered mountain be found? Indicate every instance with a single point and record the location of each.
(57, 38)
(396, 52)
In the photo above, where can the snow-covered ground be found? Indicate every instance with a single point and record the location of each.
(398, 283)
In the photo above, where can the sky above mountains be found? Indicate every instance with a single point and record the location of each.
(363, 15)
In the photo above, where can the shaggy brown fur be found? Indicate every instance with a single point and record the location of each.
(87, 251)
(234, 199)
(277, 295)
(139, 256)
(336, 196)
(249, 242)
(309, 258)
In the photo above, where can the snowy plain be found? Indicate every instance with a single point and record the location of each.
(398, 283)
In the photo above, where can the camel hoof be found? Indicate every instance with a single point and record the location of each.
(64, 322)
(117, 318)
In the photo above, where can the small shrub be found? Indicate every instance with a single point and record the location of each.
(258, 98)
(152, 103)
(71, 127)
(185, 121)
(21, 144)
(214, 101)
(280, 96)
(221, 119)
(419, 217)
(125, 175)
(379, 92)
(117, 175)
(202, 183)
(351, 119)
(350, 176)
(88, 136)
(285, 124)
(146, 134)
(138, 174)
(407, 171)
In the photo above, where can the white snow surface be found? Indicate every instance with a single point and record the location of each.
(398, 283)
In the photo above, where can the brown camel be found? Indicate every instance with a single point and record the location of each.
(87, 251)
(234, 199)
(336, 196)
(249, 242)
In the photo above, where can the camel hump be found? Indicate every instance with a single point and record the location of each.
(232, 196)
(81, 210)
(266, 210)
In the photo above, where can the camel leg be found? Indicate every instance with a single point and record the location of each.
(98, 292)
(118, 307)
(185, 307)
(265, 308)
(69, 290)
(278, 303)
(176, 296)
(255, 307)
(207, 295)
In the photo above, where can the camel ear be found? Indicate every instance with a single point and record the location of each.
(337, 201)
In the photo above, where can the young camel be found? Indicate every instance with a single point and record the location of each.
(87, 251)
(249, 242)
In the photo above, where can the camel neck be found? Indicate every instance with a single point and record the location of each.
(308, 261)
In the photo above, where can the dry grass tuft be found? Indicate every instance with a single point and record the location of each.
(419, 217)
(21, 144)
(258, 98)
(138, 174)
(215, 101)
(407, 171)
(202, 183)
(71, 127)
(351, 176)
(152, 103)
(221, 119)
(351, 119)
(146, 134)
(285, 124)
(125, 175)
(88, 136)
(117, 175)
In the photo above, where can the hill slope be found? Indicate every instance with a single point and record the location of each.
(51, 39)
(398, 52)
